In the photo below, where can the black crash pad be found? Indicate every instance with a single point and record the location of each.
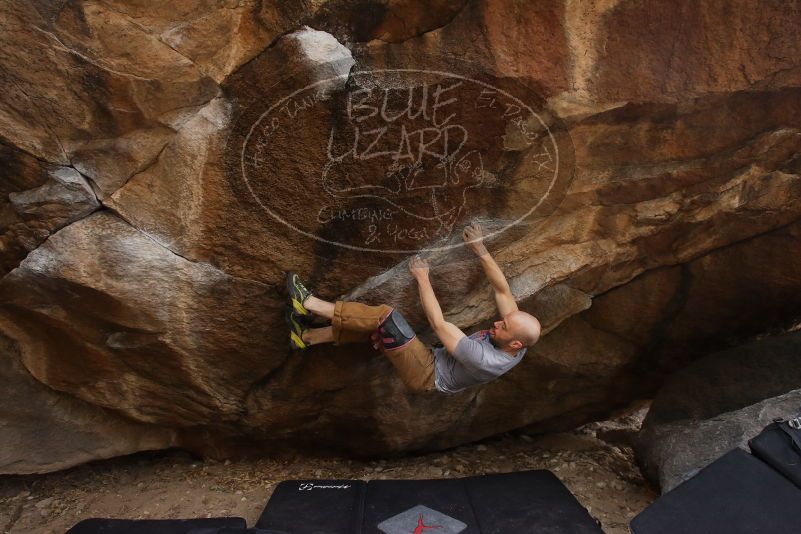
(329, 506)
(233, 531)
(735, 494)
(154, 526)
(528, 501)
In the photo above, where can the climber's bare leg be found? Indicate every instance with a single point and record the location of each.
(315, 336)
(319, 307)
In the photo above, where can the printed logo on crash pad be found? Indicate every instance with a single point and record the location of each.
(308, 486)
(419, 520)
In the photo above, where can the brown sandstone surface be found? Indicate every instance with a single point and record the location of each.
(142, 276)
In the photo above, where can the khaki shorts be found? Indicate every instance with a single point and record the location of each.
(355, 323)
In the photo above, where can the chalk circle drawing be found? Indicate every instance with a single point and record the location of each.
(396, 160)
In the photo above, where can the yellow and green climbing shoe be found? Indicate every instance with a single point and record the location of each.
(297, 294)
(296, 329)
(296, 342)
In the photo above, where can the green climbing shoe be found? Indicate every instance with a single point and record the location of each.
(297, 294)
(296, 342)
(296, 329)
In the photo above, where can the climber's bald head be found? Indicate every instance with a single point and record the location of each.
(525, 327)
(516, 330)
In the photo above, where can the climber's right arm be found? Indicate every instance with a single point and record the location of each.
(448, 333)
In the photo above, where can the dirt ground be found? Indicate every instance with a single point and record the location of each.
(172, 484)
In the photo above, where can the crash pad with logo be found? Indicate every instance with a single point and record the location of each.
(319, 505)
(528, 501)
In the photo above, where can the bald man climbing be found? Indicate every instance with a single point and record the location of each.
(463, 361)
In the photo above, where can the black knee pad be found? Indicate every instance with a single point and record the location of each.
(395, 331)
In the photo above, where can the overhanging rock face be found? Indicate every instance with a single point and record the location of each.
(163, 167)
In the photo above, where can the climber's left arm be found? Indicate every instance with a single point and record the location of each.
(505, 300)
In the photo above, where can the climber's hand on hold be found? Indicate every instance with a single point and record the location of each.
(418, 267)
(474, 238)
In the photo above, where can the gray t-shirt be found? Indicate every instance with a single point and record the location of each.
(475, 361)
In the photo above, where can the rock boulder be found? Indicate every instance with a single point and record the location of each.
(717, 403)
(163, 165)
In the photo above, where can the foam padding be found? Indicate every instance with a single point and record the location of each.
(315, 506)
(529, 501)
(404, 505)
(736, 494)
(154, 526)
(234, 531)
